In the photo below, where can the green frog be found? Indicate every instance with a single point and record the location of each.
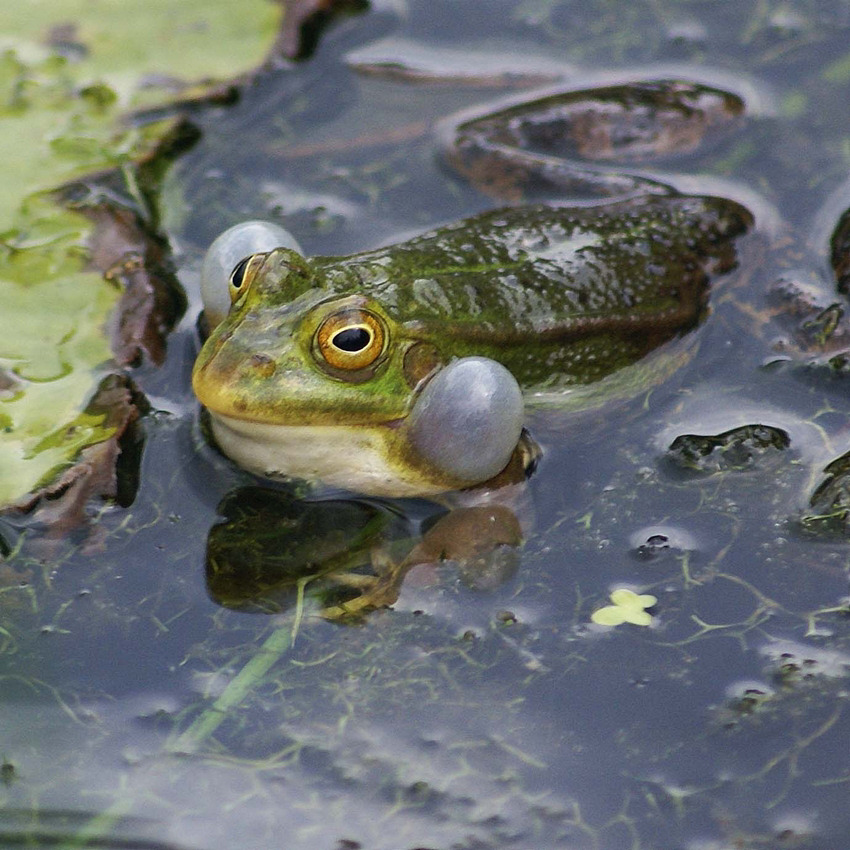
(407, 370)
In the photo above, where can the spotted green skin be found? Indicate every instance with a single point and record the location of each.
(562, 296)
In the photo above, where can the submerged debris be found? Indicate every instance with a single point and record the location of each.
(830, 502)
(743, 448)
(840, 253)
(546, 144)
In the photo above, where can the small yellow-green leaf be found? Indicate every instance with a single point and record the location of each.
(628, 607)
(610, 615)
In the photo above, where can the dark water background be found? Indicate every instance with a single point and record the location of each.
(469, 717)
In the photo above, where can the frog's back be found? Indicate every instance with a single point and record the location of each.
(560, 295)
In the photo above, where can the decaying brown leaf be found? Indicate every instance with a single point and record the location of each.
(302, 20)
(152, 301)
(69, 500)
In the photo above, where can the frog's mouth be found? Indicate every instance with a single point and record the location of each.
(363, 458)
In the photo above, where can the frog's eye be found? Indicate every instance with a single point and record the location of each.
(237, 276)
(351, 339)
(243, 274)
(241, 240)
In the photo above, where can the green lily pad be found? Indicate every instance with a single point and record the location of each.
(68, 73)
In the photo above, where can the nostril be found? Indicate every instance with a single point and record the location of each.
(263, 364)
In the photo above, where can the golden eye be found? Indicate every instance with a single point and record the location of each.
(243, 275)
(351, 339)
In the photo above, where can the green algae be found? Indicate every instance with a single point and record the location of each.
(69, 74)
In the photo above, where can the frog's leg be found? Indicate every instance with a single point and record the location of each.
(374, 591)
(482, 540)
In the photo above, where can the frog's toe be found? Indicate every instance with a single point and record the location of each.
(231, 246)
(468, 419)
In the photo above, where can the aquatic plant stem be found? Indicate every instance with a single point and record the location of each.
(101, 824)
(237, 689)
(199, 730)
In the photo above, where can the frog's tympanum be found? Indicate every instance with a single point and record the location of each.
(405, 370)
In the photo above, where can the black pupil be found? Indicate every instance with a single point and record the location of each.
(237, 277)
(352, 339)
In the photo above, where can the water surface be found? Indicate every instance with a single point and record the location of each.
(473, 713)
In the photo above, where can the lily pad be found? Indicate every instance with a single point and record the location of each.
(68, 76)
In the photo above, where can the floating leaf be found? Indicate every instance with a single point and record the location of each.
(64, 88)
(628, 607)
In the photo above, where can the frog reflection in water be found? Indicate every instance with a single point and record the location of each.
(405, 371)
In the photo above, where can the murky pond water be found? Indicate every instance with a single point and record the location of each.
(167, 679)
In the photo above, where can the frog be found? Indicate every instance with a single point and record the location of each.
(407, 370)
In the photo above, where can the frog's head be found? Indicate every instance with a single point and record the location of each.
(306, 380)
